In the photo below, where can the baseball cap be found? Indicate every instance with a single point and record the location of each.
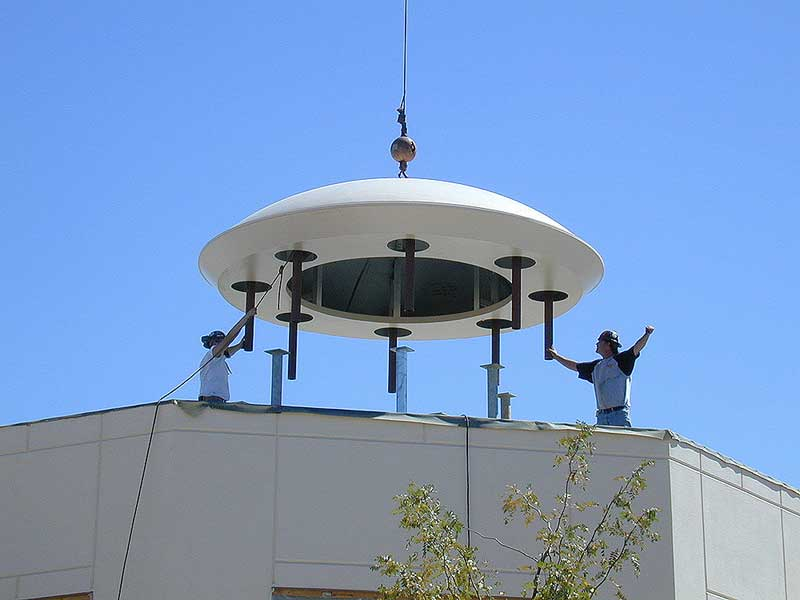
(611, 337)
(208, 340)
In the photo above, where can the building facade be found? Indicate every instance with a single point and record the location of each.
(247, 503)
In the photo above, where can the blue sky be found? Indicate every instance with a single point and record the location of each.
(666, 136)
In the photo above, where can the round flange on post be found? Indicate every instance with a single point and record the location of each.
(291, 255)
(507, 262)
(257, 287)
(388, 332)
(409, 246)
(406, 244)
(392, 333)
(287, 317)
(545, 295)
(251, 288)
(516, 264)
(495, 325)
(549, 297)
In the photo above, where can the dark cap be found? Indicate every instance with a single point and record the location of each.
(611, 337)
(208, 340)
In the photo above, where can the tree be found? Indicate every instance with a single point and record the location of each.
(574, 560)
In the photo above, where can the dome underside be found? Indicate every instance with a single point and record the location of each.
(352, 287)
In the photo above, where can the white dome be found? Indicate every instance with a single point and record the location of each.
(356, 220)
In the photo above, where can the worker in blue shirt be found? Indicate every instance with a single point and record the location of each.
(611, 375)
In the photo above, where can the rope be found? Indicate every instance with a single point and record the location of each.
(280, 285)
(150, 444)
(272, 283)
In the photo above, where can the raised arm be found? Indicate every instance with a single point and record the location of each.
(642, 341)
(231, 335)
(567, 362)
(234, 348)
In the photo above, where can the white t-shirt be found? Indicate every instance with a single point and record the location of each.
(214, 376)
(611, 378)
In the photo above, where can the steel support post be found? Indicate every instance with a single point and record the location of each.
(496, 325)
(496, 344)
(492, 387)
(409, 247)
(549, 298)
(548, 328)
(276, 391)
(295, 317)
(402, 378)
(297, 292)
(392, 333)
(249, 328)
(516, 264)
(392, 361)
(250, 288)
(516, 292)
(505, 405)
(408, 283)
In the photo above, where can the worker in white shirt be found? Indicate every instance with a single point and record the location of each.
(214, 369)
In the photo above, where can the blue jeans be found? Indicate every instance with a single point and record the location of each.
(620, 417)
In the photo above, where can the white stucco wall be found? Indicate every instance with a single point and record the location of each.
(236, 503)
(735, 533)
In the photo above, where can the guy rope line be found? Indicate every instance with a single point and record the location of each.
(152, 434)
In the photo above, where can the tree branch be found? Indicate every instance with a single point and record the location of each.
(565, 502)
(469, 573)
(618, 558)
(607, 510)
(452, 584)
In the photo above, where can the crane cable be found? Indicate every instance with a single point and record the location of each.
(403, 148)
(401, 117)
(152, 434)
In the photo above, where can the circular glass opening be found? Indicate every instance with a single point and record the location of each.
(373, 287)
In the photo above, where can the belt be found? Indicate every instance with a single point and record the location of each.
(605, 411)
(212, 399)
